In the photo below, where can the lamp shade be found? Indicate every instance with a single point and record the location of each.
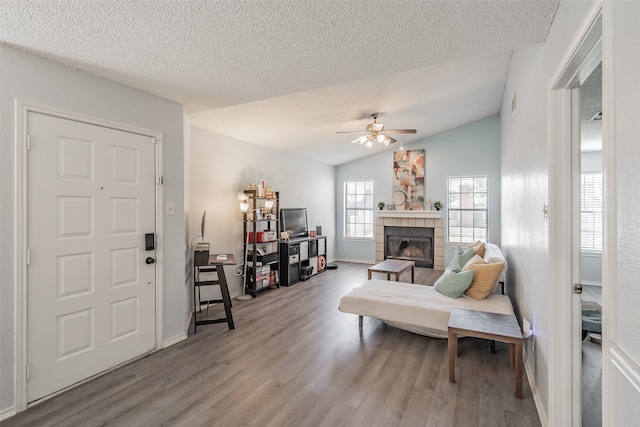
(244, 206)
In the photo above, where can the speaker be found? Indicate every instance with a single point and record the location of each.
(201, 254)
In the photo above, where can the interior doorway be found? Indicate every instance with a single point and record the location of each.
(583, 56)
(590, 246)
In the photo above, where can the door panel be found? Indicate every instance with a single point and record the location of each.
(91, 297)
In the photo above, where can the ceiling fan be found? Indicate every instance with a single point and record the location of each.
(376, 132)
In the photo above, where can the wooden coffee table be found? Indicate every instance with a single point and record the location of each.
(393, 266)
(490, 326)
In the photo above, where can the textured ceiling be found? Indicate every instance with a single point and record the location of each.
(590, 105)
(289, 74)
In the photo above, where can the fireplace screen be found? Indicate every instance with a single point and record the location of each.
(409, 243)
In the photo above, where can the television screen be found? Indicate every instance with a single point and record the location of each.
(295, 220)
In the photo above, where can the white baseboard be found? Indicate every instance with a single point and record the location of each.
(359, 261)
(7, 413)
(544, 421)
(175, 340)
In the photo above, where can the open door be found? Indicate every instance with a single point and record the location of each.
(589, 246)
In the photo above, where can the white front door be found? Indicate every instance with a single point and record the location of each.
(90, 293)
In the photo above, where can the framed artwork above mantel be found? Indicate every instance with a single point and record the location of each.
(408, 180)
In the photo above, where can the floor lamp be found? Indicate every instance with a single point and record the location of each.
(244, 207)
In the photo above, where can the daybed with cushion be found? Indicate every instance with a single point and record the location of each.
(425, 309)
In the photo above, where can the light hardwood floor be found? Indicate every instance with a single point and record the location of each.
(295, 360)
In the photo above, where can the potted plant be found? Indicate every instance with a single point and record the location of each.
(437, 205)
(380, 205)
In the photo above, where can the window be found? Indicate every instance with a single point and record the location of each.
(358, 209)
(591, 211)
(467, 206)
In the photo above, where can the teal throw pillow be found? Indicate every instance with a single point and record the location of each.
(453, 283)
(461, 257)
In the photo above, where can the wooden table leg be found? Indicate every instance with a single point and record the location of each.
(512, 355)
(413, 274)
(518, 356)
(453, 352)
(369, 274)
(388, 276)
(226, 297)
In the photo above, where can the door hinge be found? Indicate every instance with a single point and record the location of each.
(160, 180)
(27, 143)
(28, 373)
(577, 288)
(28, 256)
(155, 140)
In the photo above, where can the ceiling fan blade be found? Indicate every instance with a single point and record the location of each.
(352, 131)
(400, 131)
(391, 140)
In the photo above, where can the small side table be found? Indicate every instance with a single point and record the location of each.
(215, 263)
(490, 326)
(393, 266)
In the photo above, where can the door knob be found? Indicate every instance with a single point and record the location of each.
(577, 288)
(150, 260)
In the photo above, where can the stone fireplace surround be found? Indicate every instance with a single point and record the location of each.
(428, 219)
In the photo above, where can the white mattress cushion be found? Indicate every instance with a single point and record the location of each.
(416, 308)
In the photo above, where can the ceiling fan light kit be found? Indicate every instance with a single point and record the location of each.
(374, 132)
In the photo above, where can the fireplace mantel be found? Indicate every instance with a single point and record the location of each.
(408, 214)
(429, 219)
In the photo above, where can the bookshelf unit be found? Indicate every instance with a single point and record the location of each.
(261, 250)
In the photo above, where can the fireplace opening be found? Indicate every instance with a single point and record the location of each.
(409, 243)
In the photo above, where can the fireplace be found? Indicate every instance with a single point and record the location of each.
(410, 243)
(420, 219)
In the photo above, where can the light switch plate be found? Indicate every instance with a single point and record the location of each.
(171, 208)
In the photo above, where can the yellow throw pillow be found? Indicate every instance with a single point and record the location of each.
(478, 248)
(475, 260)
(485, 277)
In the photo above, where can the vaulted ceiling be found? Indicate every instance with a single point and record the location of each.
(289, 74)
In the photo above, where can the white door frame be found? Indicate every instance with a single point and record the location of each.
(564, 402)
(22, 109)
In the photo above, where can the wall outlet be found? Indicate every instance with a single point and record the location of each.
(171, 208)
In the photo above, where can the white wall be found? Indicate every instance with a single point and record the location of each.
(591, 161)
(525, 182)
(33, 79)
(222, 166)
(473, 149)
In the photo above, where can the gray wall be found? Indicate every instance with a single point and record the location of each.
(222, 166)
(33, 79)
(473, 149)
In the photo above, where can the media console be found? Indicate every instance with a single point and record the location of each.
(302, 258)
